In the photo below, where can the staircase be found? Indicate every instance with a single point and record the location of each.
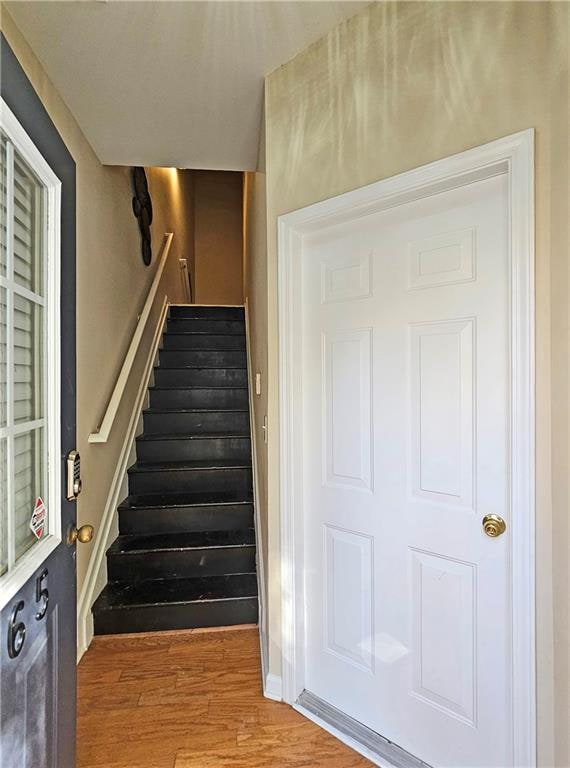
(185, 556)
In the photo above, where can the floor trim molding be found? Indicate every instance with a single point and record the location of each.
(273, 687)
(167, 635)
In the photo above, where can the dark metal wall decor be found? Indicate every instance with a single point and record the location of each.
(142, 208)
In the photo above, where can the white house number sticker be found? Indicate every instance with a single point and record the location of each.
(39, 517)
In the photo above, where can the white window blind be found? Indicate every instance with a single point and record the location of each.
(23, 447)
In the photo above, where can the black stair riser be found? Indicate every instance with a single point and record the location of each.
(180, 422)
(205, 326)
(185, 449)
(202, 313)
(203, 341)
(180, 480)
(176, 564)
(199, 398)
(155, 618)
(220, 517)
(200, 377)
(171, 358)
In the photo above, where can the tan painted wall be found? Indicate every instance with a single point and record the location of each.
(218, 242)
(255, 294)
(396, 87)
(112, 281)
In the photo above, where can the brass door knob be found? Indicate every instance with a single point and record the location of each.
(494, 526)
(83, 535)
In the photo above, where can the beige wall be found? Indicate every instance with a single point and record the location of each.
(255, 296)
(218, 243)
(396, 87)
(112, 281)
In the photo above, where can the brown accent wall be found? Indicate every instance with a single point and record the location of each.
(218, 237)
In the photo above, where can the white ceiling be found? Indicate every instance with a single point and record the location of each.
(171, 83)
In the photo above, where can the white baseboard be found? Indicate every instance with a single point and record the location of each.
(273, 687)
(262, 622)
(96, 576)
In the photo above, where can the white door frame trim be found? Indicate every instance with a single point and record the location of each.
(514, 156)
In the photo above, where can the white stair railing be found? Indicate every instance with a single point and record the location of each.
(101, 435)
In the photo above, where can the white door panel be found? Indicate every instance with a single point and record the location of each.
(406, 408)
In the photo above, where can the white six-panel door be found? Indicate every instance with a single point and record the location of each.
(406, 423)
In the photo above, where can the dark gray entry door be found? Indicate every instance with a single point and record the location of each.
(37, 431)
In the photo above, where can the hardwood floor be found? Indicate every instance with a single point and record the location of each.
(191, 699)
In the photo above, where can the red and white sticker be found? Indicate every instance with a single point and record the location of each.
(39, 517)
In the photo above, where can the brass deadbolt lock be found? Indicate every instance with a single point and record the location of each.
(494, 526)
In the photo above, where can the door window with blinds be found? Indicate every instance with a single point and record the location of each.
(29, 343)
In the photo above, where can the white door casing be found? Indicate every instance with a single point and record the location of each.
(404, 306)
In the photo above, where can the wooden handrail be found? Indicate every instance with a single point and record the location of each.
(101, 435)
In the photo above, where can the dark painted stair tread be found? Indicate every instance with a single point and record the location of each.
(202, 377)
(207, 333)
(199, 358)
(166, 542)
(193, 388)
(215, 325)
(192, 367)
(174, 331)
(195, 410)
(197, 421)
(221, 398)
(149, 514)
(203, 349)
(164, 365)
(239, 434)
(177, 591)
(216, 419)
(175, 466)
(187, 499)
(215, 318)
(204, 342)
(179, 367)
(204, 311)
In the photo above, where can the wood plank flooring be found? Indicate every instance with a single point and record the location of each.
(191, 699)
